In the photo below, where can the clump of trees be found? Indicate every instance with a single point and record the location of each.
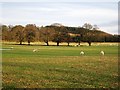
(47, 34)
(18, 33)
(30, 33)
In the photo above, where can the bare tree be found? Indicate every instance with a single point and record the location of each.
(95, 27)
(87, 26)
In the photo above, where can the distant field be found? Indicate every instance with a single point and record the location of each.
(60, 66)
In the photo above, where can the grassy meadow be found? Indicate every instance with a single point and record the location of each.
(60, 66)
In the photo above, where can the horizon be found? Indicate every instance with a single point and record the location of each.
(103, 14)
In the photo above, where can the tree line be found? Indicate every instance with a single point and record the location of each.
(31, 32)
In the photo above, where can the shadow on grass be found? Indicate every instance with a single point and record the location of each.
(39, 45)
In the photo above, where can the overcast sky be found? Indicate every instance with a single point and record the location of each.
(104, 14)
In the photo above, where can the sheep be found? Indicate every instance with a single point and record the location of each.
(34, 50)
(82, 53)
(102, 53)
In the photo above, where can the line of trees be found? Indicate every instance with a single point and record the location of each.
(58, 34)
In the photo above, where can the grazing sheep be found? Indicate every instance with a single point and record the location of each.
(82, 53)
(102, 53)
(34, 50)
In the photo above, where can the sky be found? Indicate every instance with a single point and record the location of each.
(73, 13)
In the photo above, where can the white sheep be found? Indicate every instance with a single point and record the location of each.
(82, 53)
(34, 50)
(102, 53)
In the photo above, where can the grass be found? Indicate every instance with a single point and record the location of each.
(60, 67)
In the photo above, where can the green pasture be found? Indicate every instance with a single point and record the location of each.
(59, 66)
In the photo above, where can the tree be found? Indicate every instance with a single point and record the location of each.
(67, 38)
(89, 37)
(78, 39)
(80, 35)
(59, 35)
(65, 35)
(95, 27)
(18, 33)
(4, 32)
(87, 26)
(46, 34)
(30, 32)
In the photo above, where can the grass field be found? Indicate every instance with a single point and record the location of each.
(59, 67)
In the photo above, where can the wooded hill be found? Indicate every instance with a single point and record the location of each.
(79, 34)
(55, 33)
